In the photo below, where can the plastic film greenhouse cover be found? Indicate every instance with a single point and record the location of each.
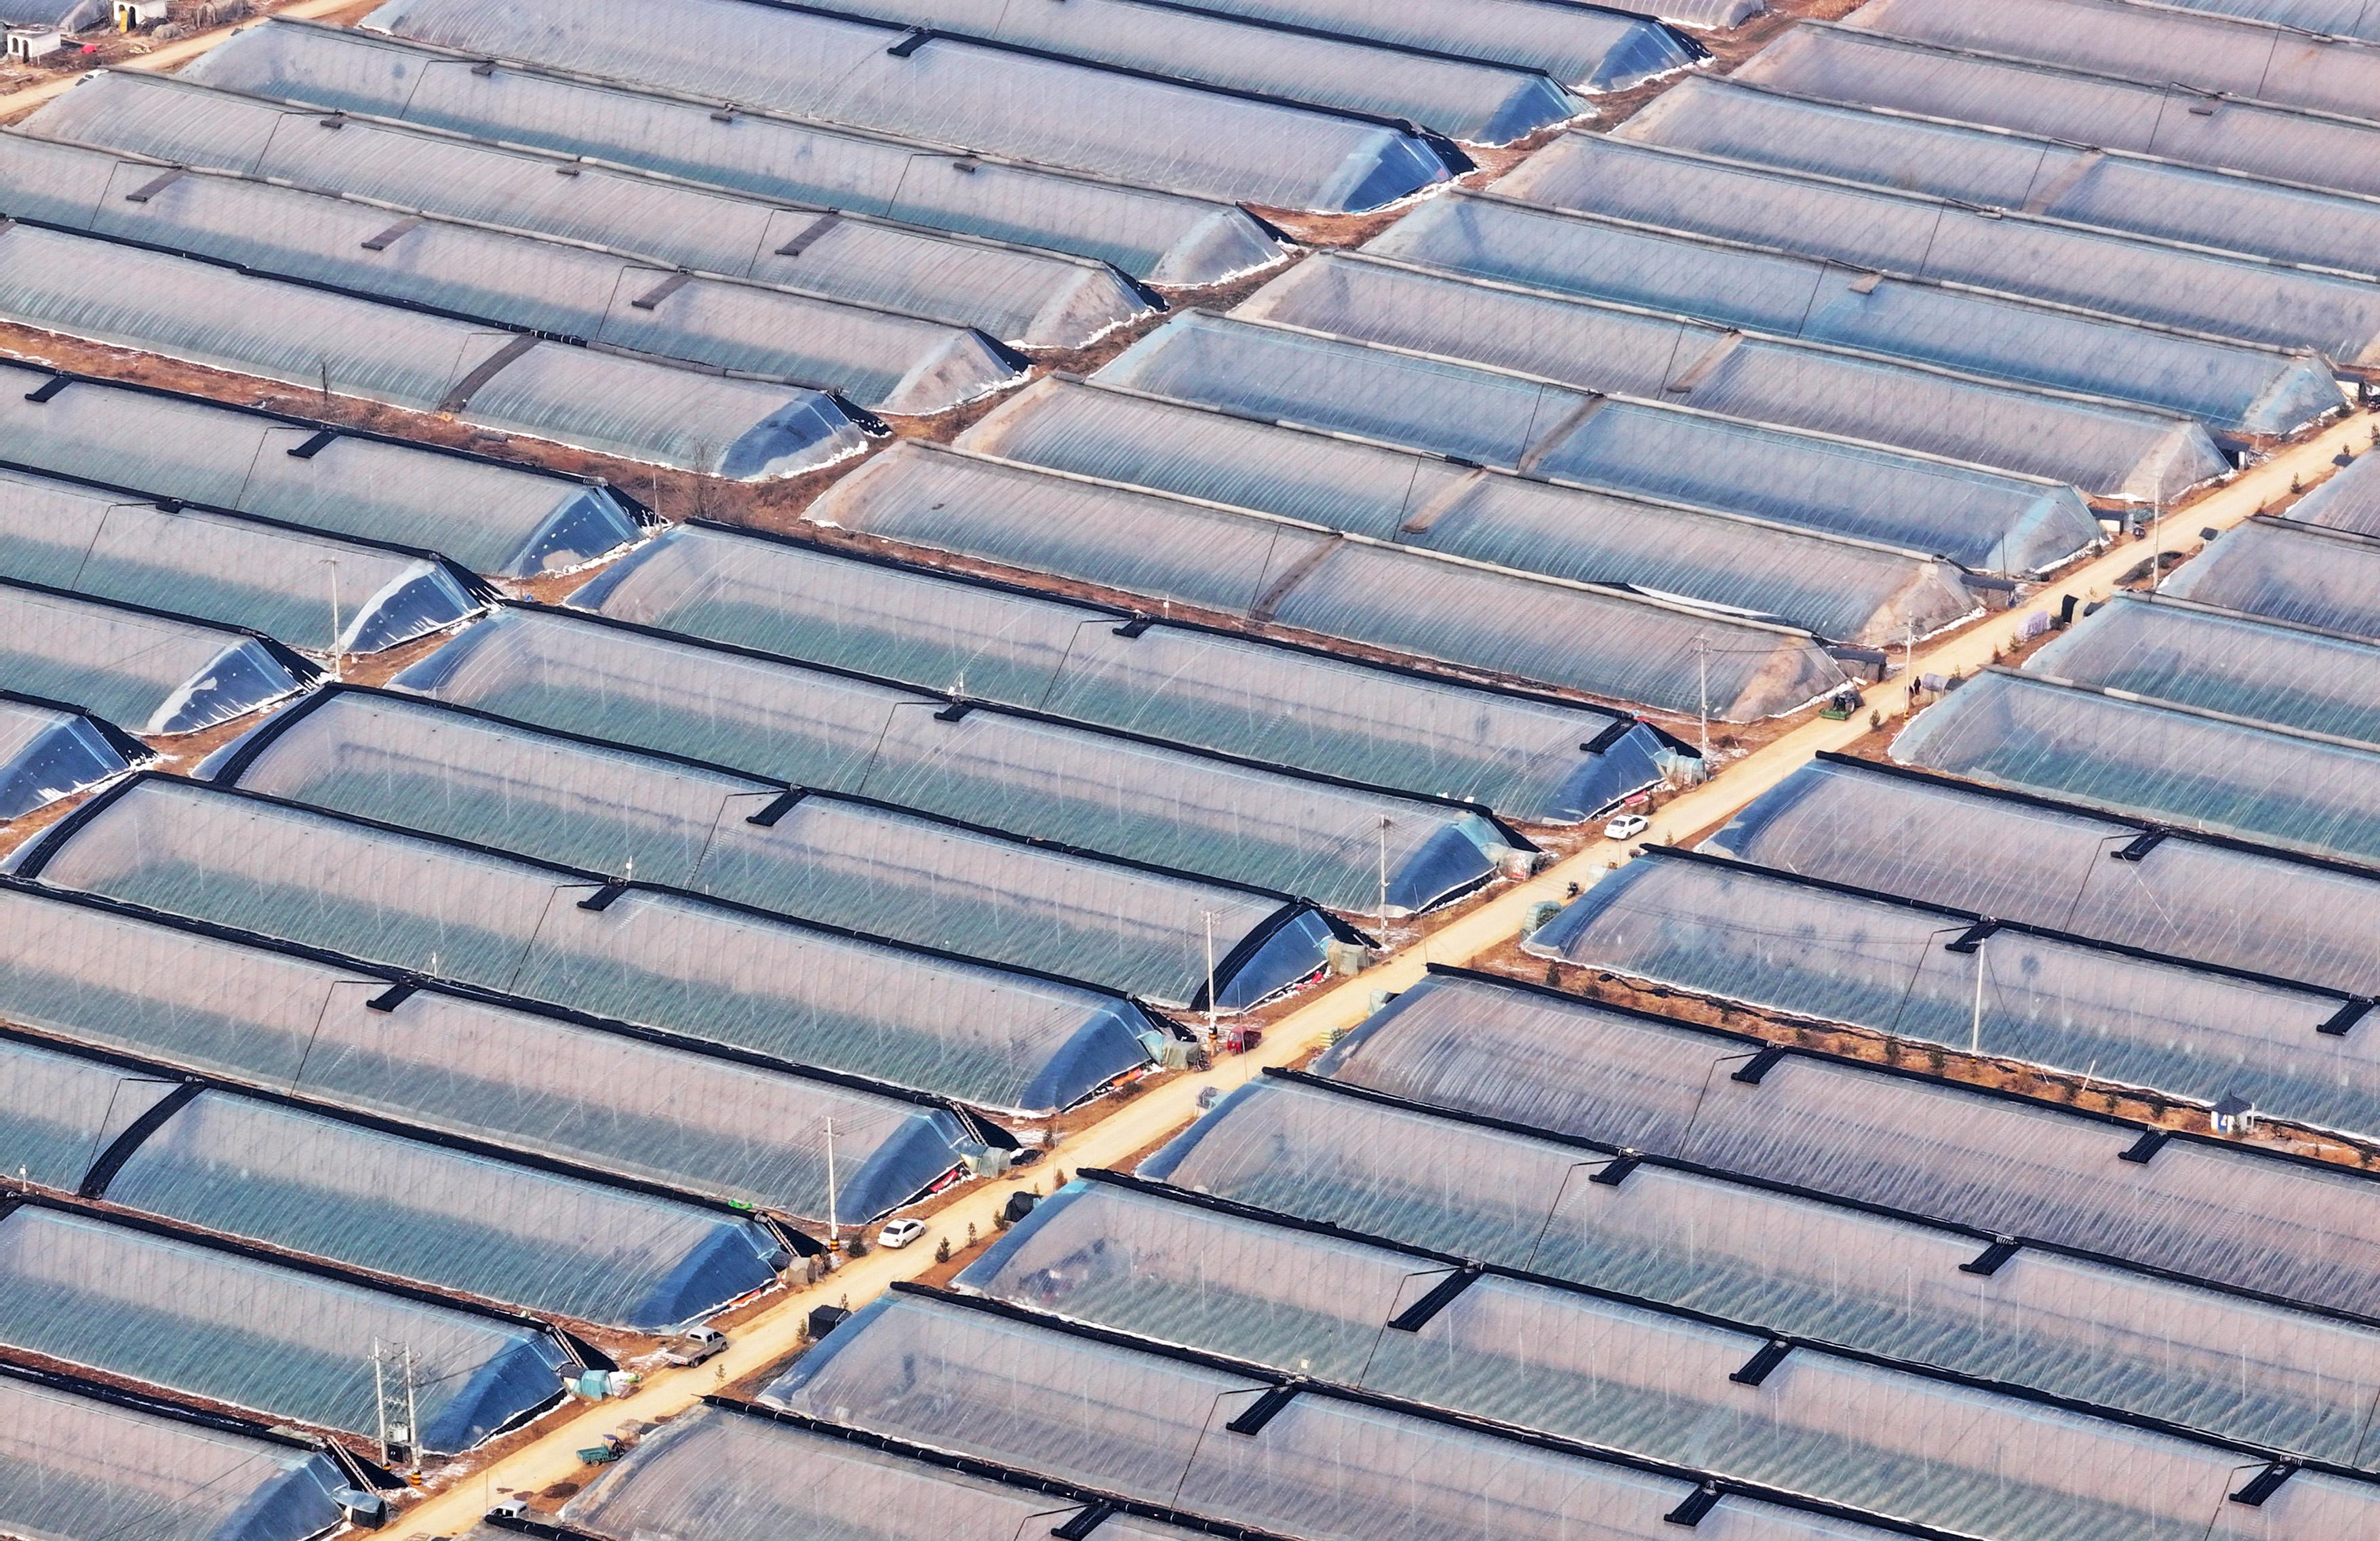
(2247, 389)
(707, 970)
(2048, 864)
(1816, 59)
(74, 1468)
(2349, 500)
(2072, 1326)
(57, 1112)
(1588, 47)
(146, 671)
(50, 751)
(320, 1187)
(1735, 932)
(2114, 190)
(1138, 1422)
(2347, 19)
(1026, 298)
(1524, 756)
(298, 335)
(882, 358)
(319, 1026)
(2102, 448)
(1922, 237)
(2307, 575)
(1043, 778)
(1263, 567)
(1679, 460)
(1300, 1302)
(1165, 238)
(501, 520)
(1110, 123)
(2171, 764)
(241, 1332)
(2113, 37)
(308, 591)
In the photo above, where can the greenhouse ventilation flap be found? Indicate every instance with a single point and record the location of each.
(149, 673)
(50, 750)
(954, 890)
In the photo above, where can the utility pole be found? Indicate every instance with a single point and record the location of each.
(1209, 916)
(833, 1223)
(1702, 670)
(1909, 654)
(1975, 1022)
(1384, 872)
(333, 563)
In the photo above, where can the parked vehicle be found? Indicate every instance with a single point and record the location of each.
(899, 1233)
(1628, 826)
(693, 1346)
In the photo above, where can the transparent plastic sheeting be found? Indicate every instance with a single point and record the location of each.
(2151, 761)
(321, 595)
(48, 752)
(1026, 298)
(2173, 650)
(1264, 568)
(323, 1188)
(2306, 575)
(1139, 128)
(67, 16)
(501, 520)
(295, 1022)
(2051, 866)
(1624, 1377)
(1142, 1424)
(1738, 933)
(1527, 759)
(146, 672)
(58, 1113)
(2349, 500)
(2258, 390)
(1835, 587)
(2072, 1328)
(2102, 448)
(2285, 143)
(1467, 99)
(74, 1468)
(1588, 47)
(2113, 37)
(202, 313)
(707, 971)
(241, 1332)
(1922, 237)
(1049, 780)
(881, 359)
(1164, 239)
(2114, 190)
(1683, 461)
(716, 1475)
(2346, 18)
(815, 856)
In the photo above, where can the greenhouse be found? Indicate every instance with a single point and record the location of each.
(1304, 1461)
(2171, 764)
(1589, 48)
(2193, 655)
(2233, 386)
(2282, 570)
(1143, 800)
(550, 1085)
(2351, 18)
(496, 518)
(204, 1321)
(146, 671)
(1839, 64)
(953, 91)
(1170, 239)
(2120, 190)
(1026, 299)
(1922, 237)
(840, 862)
(881, 359)
(590, 941)
(1298, 1299)
(1679, 461)
(318, 594)
(78, 1468)
(2349, 500)
(1531, 758)
(49, 750)
(1603, 640)
(57, 1109)
(2060, 866)
(2104, 448)
(491, 378)
(1903, 970)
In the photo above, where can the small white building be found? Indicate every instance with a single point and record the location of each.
(28, 44)
(133, 15)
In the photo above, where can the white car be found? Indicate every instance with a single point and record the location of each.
(1628, 826)
(901, 1233)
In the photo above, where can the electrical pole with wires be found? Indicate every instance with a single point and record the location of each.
(1702, 670)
